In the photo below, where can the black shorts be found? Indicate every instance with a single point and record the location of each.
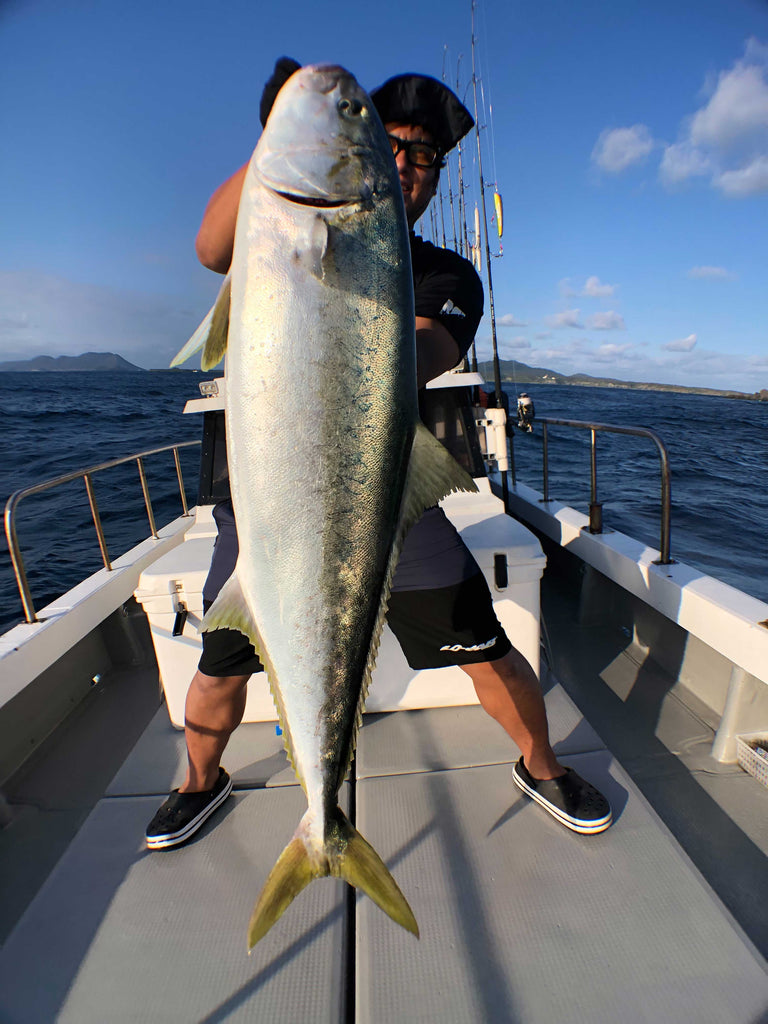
(447, 626)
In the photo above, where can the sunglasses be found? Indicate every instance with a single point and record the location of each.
(418, 154)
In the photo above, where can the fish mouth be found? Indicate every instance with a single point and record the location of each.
(323, 203)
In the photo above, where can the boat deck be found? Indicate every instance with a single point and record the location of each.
(521, 919)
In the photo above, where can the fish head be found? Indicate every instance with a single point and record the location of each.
(324, 144)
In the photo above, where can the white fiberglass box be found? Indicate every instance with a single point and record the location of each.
(501, 546)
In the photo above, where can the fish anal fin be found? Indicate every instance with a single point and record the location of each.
(345, 855)
(230, 611)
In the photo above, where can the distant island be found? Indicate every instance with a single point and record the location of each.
(513, 372)
(104, 361)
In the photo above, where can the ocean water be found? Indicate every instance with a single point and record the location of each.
(55, 423)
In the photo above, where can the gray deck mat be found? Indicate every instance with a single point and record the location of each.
(118, 934)
(524, 921)
(521, 919)
(254, 758)
(438, 738)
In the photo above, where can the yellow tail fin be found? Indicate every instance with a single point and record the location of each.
(346, 855)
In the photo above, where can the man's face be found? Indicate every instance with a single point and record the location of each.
(418, 183)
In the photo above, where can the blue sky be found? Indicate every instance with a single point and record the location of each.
(629, 142)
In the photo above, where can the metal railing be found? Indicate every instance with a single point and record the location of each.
(595, 507)
(87, 476)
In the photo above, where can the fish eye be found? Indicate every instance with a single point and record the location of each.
(352, 108)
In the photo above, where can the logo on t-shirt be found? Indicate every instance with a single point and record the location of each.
(450, 310)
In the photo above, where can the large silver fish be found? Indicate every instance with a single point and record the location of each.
(329, 464)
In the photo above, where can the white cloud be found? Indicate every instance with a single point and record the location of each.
(751, 180)
(710, 273)
(686, 365)
(617, 149)
(682, 161)
(596, 290)
(515, 343)
(593, 288)
(737, 110)
(681, 345)
(606, 353)
(726, 140)
(48, 315)
(608, 321)
(510, 320)
(568, 318)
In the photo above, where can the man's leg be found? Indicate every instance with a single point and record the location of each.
(510, 692)
(214, 709)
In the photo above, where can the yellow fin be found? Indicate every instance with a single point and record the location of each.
(345, 855)
(200, 337)
(293, 871)
(433, 473)
(216, 342)
(230, 611)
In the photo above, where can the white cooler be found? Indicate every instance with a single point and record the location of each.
(501, 545)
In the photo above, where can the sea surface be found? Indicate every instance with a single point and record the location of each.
(54, 423)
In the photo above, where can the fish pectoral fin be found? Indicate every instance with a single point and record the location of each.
(345, 855)
(216, 342)
(433, 473)
(230, 611)
(203, 332)
(311, 247)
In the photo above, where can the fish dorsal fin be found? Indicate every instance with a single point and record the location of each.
(203, 332)
(433, 473)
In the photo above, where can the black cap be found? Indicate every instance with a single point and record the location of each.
(284, 68)
(419, 99)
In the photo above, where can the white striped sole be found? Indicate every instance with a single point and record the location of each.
(176, 838)
(585, 828)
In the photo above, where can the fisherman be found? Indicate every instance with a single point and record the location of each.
(440, 608)
(525, 412)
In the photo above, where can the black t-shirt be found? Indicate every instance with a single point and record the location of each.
(446, 288)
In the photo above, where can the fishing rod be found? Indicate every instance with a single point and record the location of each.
(496, 366)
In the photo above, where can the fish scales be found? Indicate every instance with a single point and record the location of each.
(329, 465)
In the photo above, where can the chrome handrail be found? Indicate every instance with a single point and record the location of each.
(86, 475)
(595, 507)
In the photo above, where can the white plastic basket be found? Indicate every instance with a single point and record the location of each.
(753, 755)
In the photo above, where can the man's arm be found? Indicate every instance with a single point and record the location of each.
(436, 350)
(216, 237)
